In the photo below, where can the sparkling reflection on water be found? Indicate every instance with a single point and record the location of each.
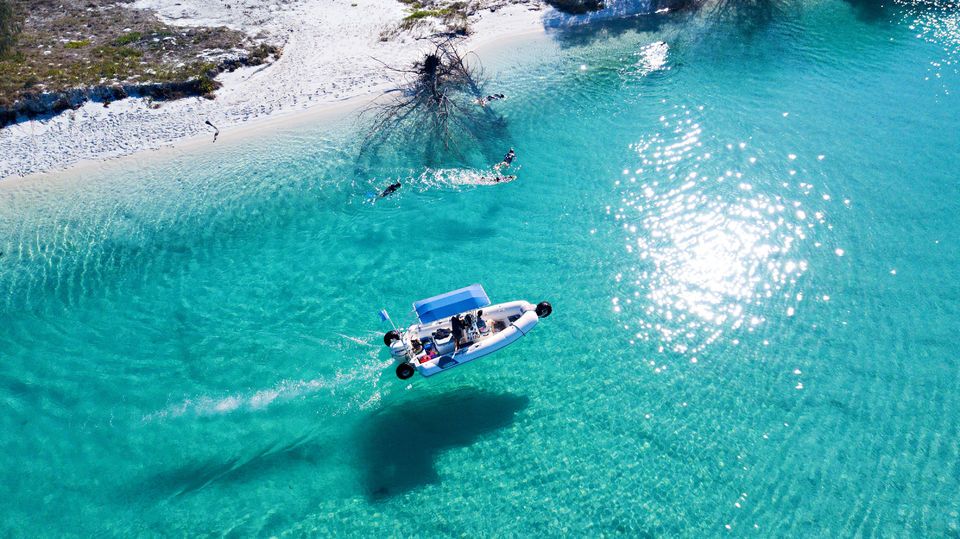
(713, 233)
(937, 22)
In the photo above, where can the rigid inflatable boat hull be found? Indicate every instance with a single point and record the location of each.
(523, 313)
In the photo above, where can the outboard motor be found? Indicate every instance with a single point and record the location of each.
(397, 350)
(544, 309)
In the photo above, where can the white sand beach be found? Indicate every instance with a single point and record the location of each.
(332, 53)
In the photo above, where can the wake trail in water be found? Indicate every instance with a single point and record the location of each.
(447, 178)
(364, 375)
(455, 177)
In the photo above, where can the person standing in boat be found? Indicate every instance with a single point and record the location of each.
(456, 327)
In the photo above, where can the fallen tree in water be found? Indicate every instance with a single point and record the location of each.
(439, 99)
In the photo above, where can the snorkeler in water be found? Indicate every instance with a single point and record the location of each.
(507, 161)
(391, 189)
(484, 101)
(498, 179)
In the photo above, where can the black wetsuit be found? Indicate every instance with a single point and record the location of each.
(456, 328)
(391, 189)
(508, 159)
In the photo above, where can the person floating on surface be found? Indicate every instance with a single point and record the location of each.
(507, 160)
(391, 189)
(484, 101)
(498, 179)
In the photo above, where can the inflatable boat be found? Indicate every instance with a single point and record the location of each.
(459, 327)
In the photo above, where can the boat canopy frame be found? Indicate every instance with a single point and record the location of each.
(450, 303)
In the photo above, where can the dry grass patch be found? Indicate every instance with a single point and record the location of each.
(66, 44)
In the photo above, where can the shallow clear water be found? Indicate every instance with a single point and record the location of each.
(749, 237)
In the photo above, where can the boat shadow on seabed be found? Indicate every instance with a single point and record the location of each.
(399, 445)
(396, 449)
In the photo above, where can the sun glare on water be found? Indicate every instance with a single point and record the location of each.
(711, 242)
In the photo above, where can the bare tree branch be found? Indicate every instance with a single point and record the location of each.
(438, 99)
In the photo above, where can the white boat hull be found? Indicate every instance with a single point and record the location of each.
(506, 322)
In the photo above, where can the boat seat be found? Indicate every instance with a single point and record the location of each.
(444, 346)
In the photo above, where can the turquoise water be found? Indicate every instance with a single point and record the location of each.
(751, 245)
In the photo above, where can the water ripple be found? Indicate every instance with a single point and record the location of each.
(711, 237)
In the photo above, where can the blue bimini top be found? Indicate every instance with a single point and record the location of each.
(451, 303)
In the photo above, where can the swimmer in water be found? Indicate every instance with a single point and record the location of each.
(507, 161)
(484, 101)
(391, 189)
(498, 179)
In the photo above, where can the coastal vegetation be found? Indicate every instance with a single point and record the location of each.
(437, 17)
(53, 49)
(9, 27)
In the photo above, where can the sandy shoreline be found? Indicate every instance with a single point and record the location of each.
(301, 87)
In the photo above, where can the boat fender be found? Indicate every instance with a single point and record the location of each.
(544, 309)
(391, 336)
(404, 371)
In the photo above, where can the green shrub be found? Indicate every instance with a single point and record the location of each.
(128, 38)
(207, 85)
(421, 14)
(77, 44)
(10, 25)
(127, 52)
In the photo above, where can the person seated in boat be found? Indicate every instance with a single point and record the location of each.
(470, 323)
(482, 324)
